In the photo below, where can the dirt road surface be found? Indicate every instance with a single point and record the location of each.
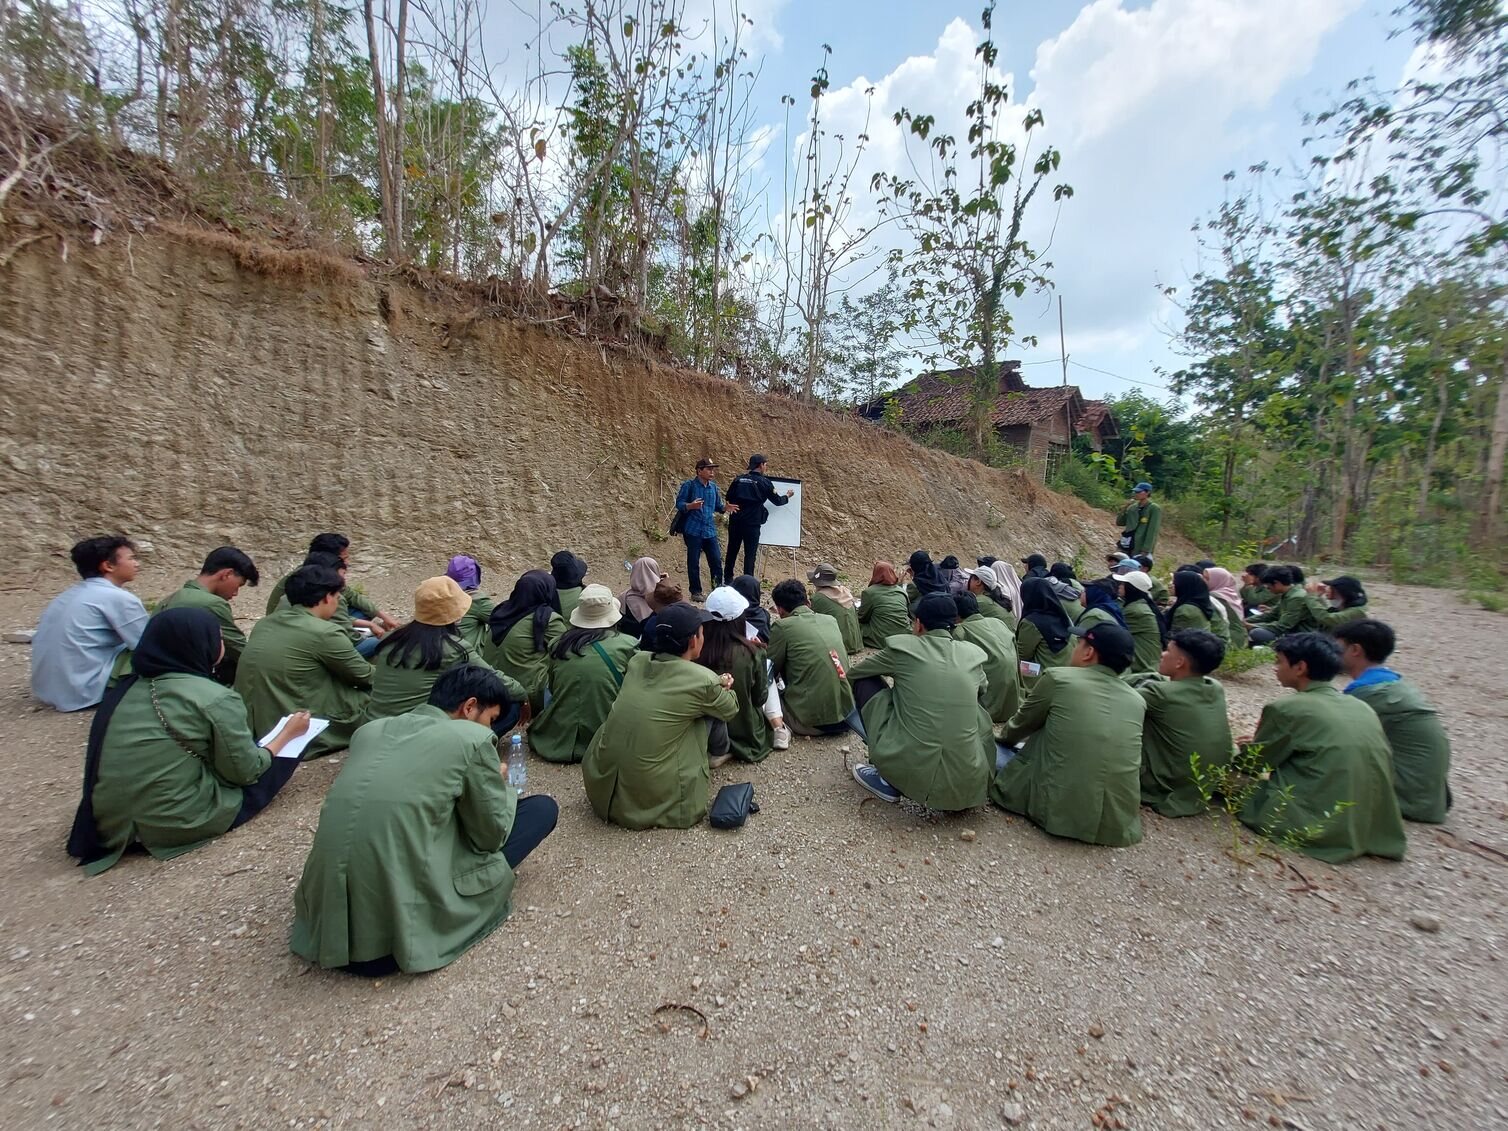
(833, 964)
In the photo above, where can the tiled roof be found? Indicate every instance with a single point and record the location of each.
(1095, 417)
(944, 399)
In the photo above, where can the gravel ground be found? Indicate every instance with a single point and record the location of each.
(834, 964)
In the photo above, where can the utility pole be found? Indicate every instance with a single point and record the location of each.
(1062, 341)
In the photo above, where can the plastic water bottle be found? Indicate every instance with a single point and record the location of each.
(518, 768)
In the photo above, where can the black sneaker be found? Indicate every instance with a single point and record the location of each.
(697, 598)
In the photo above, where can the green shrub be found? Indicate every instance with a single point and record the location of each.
(1239, 660)
(1076, 477)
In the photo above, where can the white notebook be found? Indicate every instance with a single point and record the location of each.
(296, 747)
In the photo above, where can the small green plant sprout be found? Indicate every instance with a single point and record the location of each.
(1228, 786)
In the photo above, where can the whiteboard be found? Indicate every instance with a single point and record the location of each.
(783, 528)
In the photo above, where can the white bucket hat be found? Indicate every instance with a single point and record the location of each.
(596, 608)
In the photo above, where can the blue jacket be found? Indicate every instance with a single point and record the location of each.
(700, 523)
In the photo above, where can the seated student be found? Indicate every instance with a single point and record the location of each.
(1347, 603)
(1100, 606)
(358, 610)
(1420, 746)
(1010, 588)
(170, 763)
(728, 650)
(1325, 749)
(297, 659)
(419, 837)
(837, 602)
(644, 575)
(1042, 635)
(806, 651)
(1160, 594)
(1294, 612)
(747, 586)
(1002, 669)
(883, 607)
(929, 737)
(1067, 588)
(587, 666)
(410, 659)
(1078, 772)
(1148, 630)
(1185, 716)
(364, 634)
(1036, 566)
(925, 577)
(87, 631)
(220, 578)
(989, 594)
(648, 765)
(666, 593)
(567, 570)
(521, 632)
(466, 572)
(1193, 609)
(1254, 591)
(952, 574)
(1227, 600)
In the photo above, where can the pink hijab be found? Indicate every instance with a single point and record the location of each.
(1222, 585)
(642, 580)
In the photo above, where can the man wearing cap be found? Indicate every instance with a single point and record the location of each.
(1078, 774)
(806, 651)
(648, 766)
(586, 668)
(1140, 521)
(1185, 716)
(698, 502)
(837, 601)
(749, 493)
(1002, 669)
(929, 735)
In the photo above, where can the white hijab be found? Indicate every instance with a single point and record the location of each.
(1010, 582)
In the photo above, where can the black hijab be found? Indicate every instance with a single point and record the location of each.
(1098, 595)
(925, 574)
(535, 595)
(567, 570)
(175, 642)
(1040, 605)
(1191, 589)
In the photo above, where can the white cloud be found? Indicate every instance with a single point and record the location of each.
(1149, 106)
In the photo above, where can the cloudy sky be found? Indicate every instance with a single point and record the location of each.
(1150, 102)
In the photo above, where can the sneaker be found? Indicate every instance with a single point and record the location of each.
(720, 760)
(782, 738)
(697, 598)
(871, 779)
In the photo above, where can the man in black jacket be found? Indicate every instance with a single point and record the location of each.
(750, 491)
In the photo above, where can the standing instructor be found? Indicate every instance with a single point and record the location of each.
(748, 493)
(698, 503)
(1140, 522)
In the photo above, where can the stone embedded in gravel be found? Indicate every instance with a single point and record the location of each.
(1426, 923)
(739, 1090)
(19, 637)
(1012, 1113)
(997, 942)
(1097, 1031)
(968, 835)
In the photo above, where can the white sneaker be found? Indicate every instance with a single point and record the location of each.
(782, 738)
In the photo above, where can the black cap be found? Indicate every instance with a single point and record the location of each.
(756, 459)
(704, 463)
(935, 610)
(1111, 641)
(1032, 561)
(676, 625)
(986, 560)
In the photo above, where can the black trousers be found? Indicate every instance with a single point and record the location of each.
(259, 794)
(533, 821)
(743, 536)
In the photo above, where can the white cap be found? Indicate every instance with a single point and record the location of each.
(987, 577)
(725, 603)
(1138, 579)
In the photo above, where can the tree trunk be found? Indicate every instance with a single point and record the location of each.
(1429, 453)
(1490, 529)
(400, 84)
(385, 187)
